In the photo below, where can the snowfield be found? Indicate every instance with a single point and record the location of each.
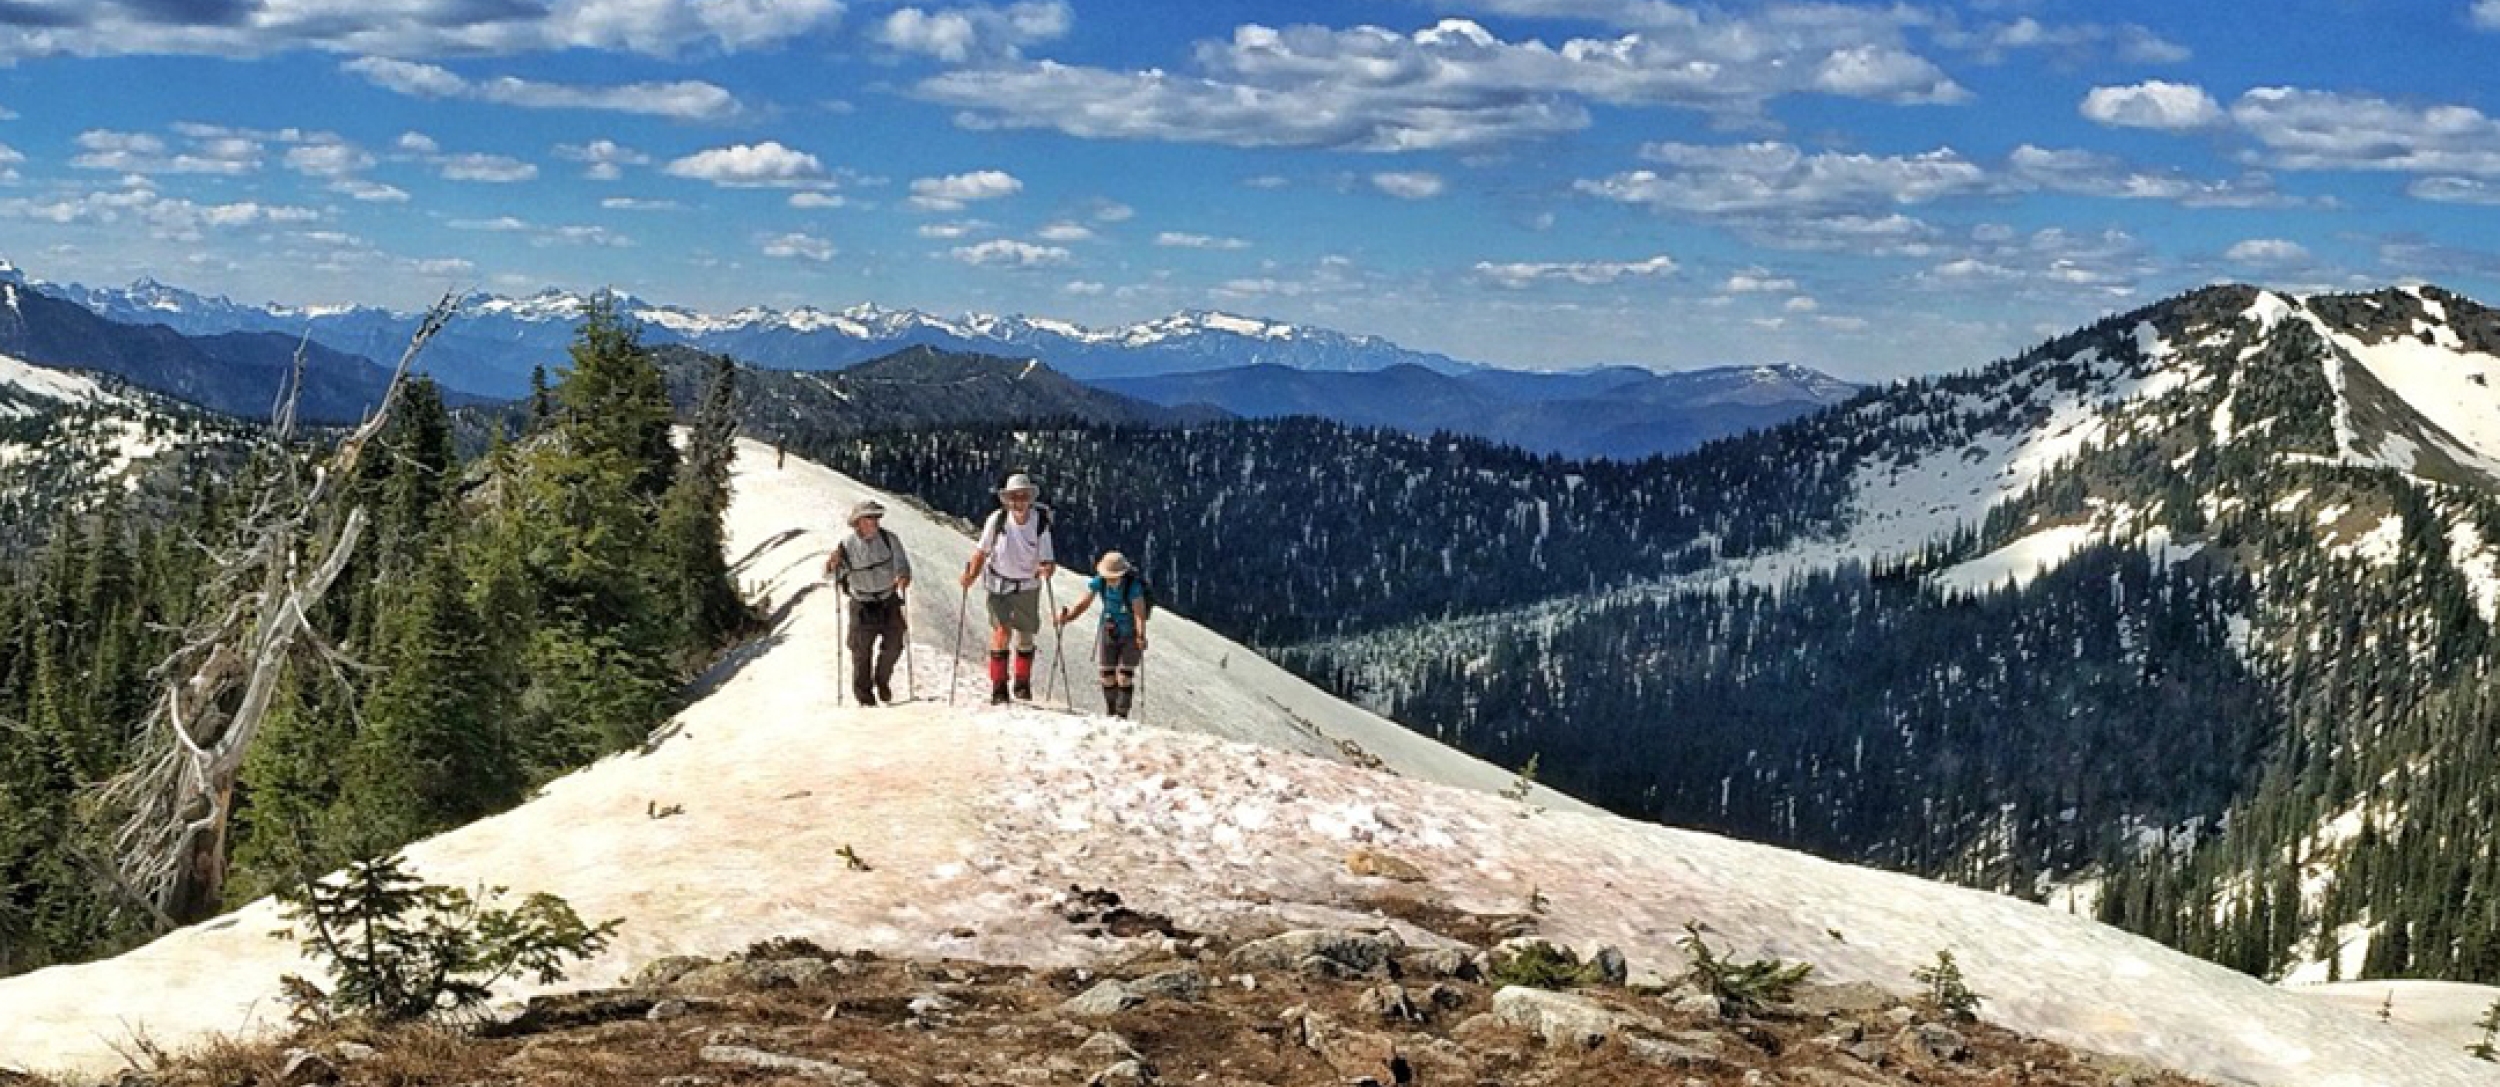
(49, 383)
(2447, 1008)
(1231, 810)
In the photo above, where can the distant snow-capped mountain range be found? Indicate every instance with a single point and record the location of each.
(1194, 360)
(492, 348)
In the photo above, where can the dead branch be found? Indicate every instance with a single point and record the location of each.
(170, 811)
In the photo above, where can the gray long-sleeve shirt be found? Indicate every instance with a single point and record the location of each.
(866, 567)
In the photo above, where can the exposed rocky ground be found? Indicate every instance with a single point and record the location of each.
(1310, 1007)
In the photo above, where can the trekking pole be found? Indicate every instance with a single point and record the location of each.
(1137, 686)
(1098, 666)
(911, 673)
(841, 651)
(955, 673)
(1060, 635)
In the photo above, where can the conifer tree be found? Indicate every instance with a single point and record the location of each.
(699, 586)
(433, 752)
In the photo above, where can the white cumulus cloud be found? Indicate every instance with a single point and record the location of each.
(761, 165)
(1770, 176)
(2330, 130)
(2153, 104)
(1003, 252)
(687, 100)
(2454, 190)
(371, 192)
(1409, 184)
(602, 160)
(952, 192)
(960, 34)
(796, 246)
(407, 28)
(1175, 239)
(1758, 281)
(1453, 85)
(478, 166)
(2274, 252)
(1585, 273)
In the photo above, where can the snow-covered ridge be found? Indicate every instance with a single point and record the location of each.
(866, 321)
(974, 819)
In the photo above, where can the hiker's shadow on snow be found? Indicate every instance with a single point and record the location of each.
(776, 631)
(779, 619)
(765, 548)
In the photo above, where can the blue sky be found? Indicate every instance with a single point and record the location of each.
(1873, 189)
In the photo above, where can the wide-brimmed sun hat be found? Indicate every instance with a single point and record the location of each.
(1020, 482)
(869, 510)
(1113, 564)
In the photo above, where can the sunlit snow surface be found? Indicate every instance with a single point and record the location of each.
(976, 818)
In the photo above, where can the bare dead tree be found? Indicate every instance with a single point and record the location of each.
(169, 813)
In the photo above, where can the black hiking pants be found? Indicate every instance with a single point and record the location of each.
(877, 633)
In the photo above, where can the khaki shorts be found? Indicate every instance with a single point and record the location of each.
(1119, 654)
(1017, 611)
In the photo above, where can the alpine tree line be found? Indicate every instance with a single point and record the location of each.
(1283, 531)
(507, 619)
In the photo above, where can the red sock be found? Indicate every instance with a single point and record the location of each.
(1024, 665)
(998, 667)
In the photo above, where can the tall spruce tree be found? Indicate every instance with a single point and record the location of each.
(690, 530)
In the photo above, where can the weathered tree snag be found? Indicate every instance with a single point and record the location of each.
(171, 810)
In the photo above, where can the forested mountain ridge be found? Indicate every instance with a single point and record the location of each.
(1620, 412)
(912, 388)
(2221, 561)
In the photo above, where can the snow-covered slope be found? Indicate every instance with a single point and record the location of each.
(2411, 372)
(2446, 1008)
(974, 818)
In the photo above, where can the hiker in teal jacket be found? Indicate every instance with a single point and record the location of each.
(1125, 606)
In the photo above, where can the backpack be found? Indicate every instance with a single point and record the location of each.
(997, 521)
(1135, 594)
(842, 568)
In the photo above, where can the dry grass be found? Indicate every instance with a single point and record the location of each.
(1005, 1026)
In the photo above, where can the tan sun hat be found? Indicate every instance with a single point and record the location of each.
(1021, 482)
(868, 510)
(1113, 564)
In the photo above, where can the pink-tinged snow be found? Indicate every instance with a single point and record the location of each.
(2446, 1009)
(976, 819)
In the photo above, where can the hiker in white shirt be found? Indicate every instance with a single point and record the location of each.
(1012, 560)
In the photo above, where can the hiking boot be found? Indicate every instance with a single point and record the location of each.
(865, 694)
(1024, 689)
(885, 694)
(998, 694)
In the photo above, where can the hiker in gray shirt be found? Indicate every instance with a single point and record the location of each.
(871, 568)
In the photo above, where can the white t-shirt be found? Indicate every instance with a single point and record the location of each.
(1017, 551)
